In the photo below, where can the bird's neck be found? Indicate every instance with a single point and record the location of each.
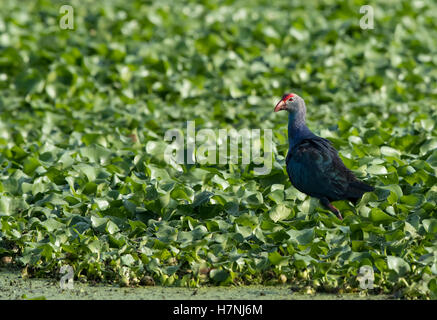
(297, 128)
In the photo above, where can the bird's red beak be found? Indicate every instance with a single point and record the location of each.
(280, 106)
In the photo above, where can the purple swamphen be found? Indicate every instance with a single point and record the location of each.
(313, 164)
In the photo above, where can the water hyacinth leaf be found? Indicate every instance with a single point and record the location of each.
(96, 154)
(427, 124)
(302, 237)
(303, 261)
(430, 225)
(377, 169)
(414, 200)
(276, 259)
(6, 205)
(52, 224)
(99, 223)
(428, 146)
(127, 260)
(277, 196)
(30, 164)
(219, 275)
(378, 216)
(389, 151)
(399, 265)
(279, 212)
(255, 198)
(202, 198)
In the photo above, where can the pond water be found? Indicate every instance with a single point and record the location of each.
(13, 286)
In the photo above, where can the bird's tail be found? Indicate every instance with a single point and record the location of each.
(356, 190)
(362, 186)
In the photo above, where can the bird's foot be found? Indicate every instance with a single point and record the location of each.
(331, 208)
(335, 211)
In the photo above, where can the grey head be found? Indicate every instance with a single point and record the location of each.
(292, 103)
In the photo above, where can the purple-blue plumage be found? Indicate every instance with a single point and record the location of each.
(313, 165)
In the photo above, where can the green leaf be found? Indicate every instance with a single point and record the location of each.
(414, 200)
(378, 216)
(390, 152)
(276, 259)
(202, 198)
(96, 154)
(30, 164)
(52, 225)
(430, 225)
(377, 169)
(277, 196)
(127, 260)
(279, 212)
(302, 237)
(219, 275)
(399, 265)
(111, 227)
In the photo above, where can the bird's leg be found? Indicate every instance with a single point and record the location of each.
(331, 208)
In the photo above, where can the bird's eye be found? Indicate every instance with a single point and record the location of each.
(291, 99)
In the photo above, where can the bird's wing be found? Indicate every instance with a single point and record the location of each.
(315, 168)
